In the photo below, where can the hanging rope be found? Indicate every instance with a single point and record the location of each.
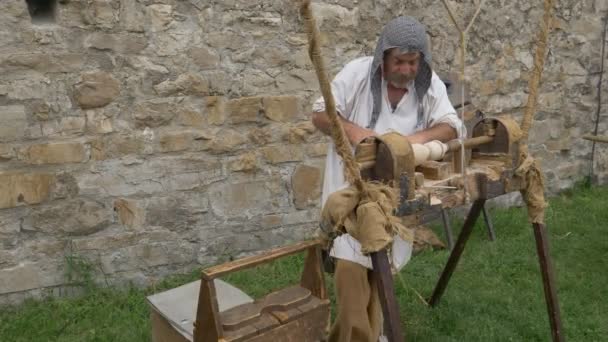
(463, 49)
(534, 81)
(365, 210)
(343, 146)
(529, 171)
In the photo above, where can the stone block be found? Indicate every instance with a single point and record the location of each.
(7, 152)
(261, 136)
(194, 140)
(130, 213)
(101, 13)
(306, 185)
(24, 188)
(14, 122)
(117, 43)
(281, 108)
(185, 84)
(96, 89)
(98, 123)
(132, 16)
(190, 118)
(203, 57)
(54, 153)
(246, 199)
(154, 113)
(300, 132)
(246, 109)
(159, 17)
(45, 63)
(216, 110)
(116, 146)
(226, 140)
(316, 150)
(27, 276)
(65, 186)
(282, 154)
(74, 218)
(245, 162)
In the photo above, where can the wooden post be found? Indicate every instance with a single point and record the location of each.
(312, 275)
(383, 278)
(447, 228)
(546, 268)
(207, 326)
(463, 237)
(488, 220)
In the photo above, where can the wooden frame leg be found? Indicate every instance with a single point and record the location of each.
(447, 228)
(386, 291)
(546, 269)
(488, 220)
(463, 237)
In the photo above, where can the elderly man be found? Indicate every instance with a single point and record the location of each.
(395, 90)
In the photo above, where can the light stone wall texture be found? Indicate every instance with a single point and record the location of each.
(152, 136)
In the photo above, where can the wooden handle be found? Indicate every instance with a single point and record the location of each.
(220, 270)
(454, 145)
(597, 138)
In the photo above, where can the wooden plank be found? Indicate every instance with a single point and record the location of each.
(282, 300)
(311, 327)
(207, 326)
(240, 264)
(163, 331)
(312, 275)
(546, 268)
(386, 291)
(435, 170)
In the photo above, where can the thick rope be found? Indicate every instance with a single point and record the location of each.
(371, 204)
(533, 191)
(343, 146)
(463, 49)
(534, 81)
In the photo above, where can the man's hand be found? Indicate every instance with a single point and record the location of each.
(416, 139)
(442, 132)
(357, 134)
(354, 133)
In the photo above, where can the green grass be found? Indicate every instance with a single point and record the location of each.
(494, 295)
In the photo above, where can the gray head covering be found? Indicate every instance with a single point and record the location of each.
(408, 35)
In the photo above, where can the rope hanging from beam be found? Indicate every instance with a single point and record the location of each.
(463, 50)
(529, 171)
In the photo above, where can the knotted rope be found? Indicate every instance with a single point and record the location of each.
(529, 170)
(343, 147)
(364, 210)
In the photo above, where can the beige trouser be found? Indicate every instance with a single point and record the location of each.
(359, 316)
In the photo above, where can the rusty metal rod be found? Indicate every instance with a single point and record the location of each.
(597, 138)
(546, 268)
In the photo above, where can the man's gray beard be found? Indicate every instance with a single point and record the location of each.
(398, 81)
(399, 84)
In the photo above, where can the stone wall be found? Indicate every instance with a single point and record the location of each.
(151, 136)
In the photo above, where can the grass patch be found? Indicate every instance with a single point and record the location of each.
(495, 293)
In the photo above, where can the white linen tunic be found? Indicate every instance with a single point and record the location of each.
(353, 98)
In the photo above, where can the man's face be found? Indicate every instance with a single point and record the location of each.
(400, 68)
